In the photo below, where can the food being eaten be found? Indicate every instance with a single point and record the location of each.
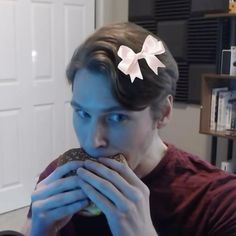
(78, 154)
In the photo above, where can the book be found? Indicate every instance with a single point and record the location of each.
(232, 102)
(226, 110)
(222, 110)
(214, 106)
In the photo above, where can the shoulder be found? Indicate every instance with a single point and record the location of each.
(179, 158)
(217, 189)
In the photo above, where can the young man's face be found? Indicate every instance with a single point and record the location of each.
(103, 126)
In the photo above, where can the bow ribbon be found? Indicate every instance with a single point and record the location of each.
(129, 64)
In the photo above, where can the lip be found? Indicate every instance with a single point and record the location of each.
(98, 155)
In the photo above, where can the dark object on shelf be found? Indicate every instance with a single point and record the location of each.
(228, 61)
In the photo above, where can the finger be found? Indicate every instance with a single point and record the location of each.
(124, 170)
(103, 203)
(130, 191)
(62, 170)
(59, 200)
(94, 184)
(62, 212)
(58, 186)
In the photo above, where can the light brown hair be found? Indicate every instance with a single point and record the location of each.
(99, 53)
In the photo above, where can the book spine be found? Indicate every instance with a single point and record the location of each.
(214, 106)
(223, 114)
(219, 113)
(213, 110)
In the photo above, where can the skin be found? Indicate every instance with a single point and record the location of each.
(103, 128)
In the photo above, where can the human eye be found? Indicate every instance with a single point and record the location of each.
(117, 118)
(82, 114)
(79, 110)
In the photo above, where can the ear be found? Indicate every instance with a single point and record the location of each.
(166, 113)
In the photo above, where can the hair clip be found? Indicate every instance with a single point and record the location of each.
(129, 64)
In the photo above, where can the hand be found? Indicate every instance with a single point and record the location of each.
(119, 194)
(55, 200)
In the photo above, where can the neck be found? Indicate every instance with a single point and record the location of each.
(153, 155)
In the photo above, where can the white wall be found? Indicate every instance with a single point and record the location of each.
(183, 131)
(111, 11)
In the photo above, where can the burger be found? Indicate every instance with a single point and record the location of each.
(78, 154)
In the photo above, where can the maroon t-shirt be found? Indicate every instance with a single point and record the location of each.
(188, 196)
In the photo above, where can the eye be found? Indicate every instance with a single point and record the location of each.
(82, 114)
(117, 118)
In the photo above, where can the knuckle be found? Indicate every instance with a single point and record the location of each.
(124, 168)
(128, 209)
(137, 195)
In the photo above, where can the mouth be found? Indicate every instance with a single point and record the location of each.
(97, 155)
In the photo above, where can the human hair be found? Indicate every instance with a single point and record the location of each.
(98, 53)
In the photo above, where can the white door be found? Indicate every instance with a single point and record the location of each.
(37, 39)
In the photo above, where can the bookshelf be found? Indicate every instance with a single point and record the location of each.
(216, 80)
(210, 81)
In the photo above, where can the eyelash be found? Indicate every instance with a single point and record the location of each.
(122, 116)
(111, 117)
(82, 114)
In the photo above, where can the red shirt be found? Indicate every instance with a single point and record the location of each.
(188, 196)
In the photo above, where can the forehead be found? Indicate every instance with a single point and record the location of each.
(93, 90)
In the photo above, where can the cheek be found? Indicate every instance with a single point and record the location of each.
(124, 139)
(121, 135)
(139, 139)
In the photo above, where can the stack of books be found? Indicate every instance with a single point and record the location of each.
(223, 109)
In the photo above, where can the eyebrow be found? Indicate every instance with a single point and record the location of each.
(110, 109)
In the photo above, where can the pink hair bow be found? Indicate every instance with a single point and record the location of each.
(129, 64)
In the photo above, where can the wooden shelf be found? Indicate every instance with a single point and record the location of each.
(210, 81)
(221, 15)
(225, 134)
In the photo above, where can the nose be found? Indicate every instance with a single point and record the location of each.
(98, 136)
